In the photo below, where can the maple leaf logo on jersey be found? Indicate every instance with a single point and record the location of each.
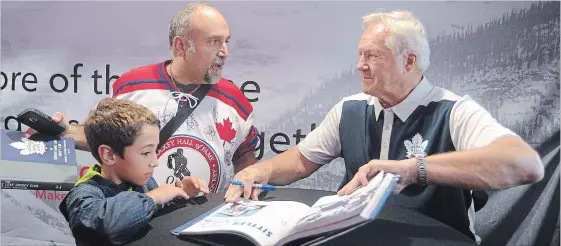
(225, 130)
(416, 146)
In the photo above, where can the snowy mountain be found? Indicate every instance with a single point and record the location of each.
(42, 222)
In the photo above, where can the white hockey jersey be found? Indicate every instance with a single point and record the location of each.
(218, 131)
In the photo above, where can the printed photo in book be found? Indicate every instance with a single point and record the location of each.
(282, 222)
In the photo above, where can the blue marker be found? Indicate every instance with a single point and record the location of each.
(264, 187)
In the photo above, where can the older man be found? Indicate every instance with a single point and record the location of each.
(442, 145)
(213, 120)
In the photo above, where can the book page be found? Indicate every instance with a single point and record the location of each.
(335, 208)
(264, 222)
(337, 212)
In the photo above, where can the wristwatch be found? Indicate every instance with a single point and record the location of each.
(422, 170)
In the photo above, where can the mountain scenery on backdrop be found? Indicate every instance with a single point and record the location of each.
(510, 66)
(291, 60)
(37, 208)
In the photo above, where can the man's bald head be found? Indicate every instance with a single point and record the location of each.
(198, 37)
(191, 16)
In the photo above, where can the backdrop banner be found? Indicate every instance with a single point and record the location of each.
(293, 61)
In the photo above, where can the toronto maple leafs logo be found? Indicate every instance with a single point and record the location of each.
(416, 146)
(29, 147)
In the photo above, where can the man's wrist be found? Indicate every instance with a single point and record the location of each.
(421, 170)
(412, 172)
(74, 130)
(269, 172)
(77, 133)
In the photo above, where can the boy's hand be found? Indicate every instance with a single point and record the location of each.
(166, 193)
(193, 185)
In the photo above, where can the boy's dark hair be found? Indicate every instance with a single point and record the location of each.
(116, 123)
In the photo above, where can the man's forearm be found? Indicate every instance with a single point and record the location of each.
(288, 167)
(77, 133)
(503, 164)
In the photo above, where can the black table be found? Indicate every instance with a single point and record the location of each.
(394, 225)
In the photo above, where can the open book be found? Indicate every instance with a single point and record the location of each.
(281, 222)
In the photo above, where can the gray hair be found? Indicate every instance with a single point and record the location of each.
(407, 34)
(181, 22)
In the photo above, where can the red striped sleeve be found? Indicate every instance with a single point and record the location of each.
(228, 93)
(250, 143)
(141, 78)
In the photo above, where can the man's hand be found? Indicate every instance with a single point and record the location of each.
(57, 118)
(193, 185)
(253, 174)
(406, 169)
(166, 193)
(72, 131)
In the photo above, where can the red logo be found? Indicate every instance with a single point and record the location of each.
(183, 156)
(225, 130)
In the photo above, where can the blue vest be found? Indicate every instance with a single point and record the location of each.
(360, 134)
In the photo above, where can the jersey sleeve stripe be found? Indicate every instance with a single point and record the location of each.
(249, 148)
(230, 100)
(250, 142)
(142, 84)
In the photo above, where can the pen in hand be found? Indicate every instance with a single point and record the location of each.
(264, 187)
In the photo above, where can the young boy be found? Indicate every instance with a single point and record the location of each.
(117, 197)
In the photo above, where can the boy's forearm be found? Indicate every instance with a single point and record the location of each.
(126, 213)
(117, 218)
